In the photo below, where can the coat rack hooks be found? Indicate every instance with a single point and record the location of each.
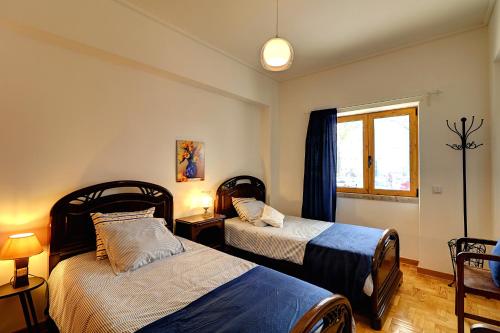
(464, 136)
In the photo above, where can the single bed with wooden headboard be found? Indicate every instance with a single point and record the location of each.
(72, 230)
(91, 298)
(386, 275)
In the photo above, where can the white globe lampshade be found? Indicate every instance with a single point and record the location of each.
(276, 54)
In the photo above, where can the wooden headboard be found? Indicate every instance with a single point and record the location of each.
(238, 187)
(72, 230)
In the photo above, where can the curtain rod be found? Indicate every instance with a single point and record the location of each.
(408, 99)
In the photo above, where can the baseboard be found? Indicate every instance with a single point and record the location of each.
(408, 261)
(426, 271)
(430, 272)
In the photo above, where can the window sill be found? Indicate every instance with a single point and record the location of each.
(390, 198)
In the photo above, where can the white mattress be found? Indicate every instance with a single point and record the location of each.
(287, 243)
(86, 296)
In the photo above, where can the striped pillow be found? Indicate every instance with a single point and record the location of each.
(249, 210)
(99, 218)
(238, 204)
(133, 244)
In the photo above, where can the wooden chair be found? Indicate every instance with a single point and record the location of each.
(476, 281)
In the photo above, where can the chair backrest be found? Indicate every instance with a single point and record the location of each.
(484, 328)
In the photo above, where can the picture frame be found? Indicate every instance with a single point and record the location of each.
(190, 161)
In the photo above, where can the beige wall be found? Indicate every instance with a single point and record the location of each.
(84, 103)
(114, 29)
(457, 65)
(380, 214)
(495, 146)
(494, 30)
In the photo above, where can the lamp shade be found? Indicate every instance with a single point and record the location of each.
(206, 200)
(20, 246)
(276, 54)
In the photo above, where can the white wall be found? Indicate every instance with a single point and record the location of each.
(114, 29)
(494, 30)
(458, 66)
(93, 91)
(381, 214)
(112, 26)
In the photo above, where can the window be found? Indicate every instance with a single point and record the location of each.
(377, 153)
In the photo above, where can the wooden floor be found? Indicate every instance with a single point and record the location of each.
(426, 304)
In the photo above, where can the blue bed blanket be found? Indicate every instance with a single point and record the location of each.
(261, 300)
(339, 259)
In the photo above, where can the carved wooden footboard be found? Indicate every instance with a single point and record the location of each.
(386, 275)
(333, 313)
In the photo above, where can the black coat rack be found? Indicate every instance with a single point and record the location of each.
(464, 135)
(464, 146)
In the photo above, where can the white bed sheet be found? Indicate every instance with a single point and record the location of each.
(287, 243)
(86, 296)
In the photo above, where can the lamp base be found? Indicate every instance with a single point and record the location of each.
(206, 213)
(21, 273)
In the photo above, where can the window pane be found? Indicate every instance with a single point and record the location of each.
(350, 154)
(392, 153)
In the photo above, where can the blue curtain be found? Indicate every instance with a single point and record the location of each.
(320, 168)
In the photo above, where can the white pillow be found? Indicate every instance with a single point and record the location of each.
(133, 244)
(99, 218)
(272, 217)
(249, 210)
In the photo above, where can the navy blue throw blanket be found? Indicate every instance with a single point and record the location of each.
(261, 300)
(339, 259)
(320, 167)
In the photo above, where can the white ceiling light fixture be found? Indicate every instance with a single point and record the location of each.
(276, 54)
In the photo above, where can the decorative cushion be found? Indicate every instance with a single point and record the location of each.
(133, 244)
(249, 210)
(272, 217)
(495, 265)
(99, 218)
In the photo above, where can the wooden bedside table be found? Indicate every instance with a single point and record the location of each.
(24, 294)
(206, 230)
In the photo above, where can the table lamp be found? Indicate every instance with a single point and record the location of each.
(206, 202)
(19, 248)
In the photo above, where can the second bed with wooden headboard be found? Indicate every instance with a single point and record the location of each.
(294, 250)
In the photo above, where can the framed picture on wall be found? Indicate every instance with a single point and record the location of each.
(190, 160)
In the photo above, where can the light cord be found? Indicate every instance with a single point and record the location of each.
(277, 18)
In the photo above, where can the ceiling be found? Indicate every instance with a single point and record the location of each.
(324, 33)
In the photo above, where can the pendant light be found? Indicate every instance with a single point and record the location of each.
(276, 54)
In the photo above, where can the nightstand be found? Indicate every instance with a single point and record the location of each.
(206, 230)
(24, 294)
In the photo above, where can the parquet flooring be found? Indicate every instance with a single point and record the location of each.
(426, 304)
